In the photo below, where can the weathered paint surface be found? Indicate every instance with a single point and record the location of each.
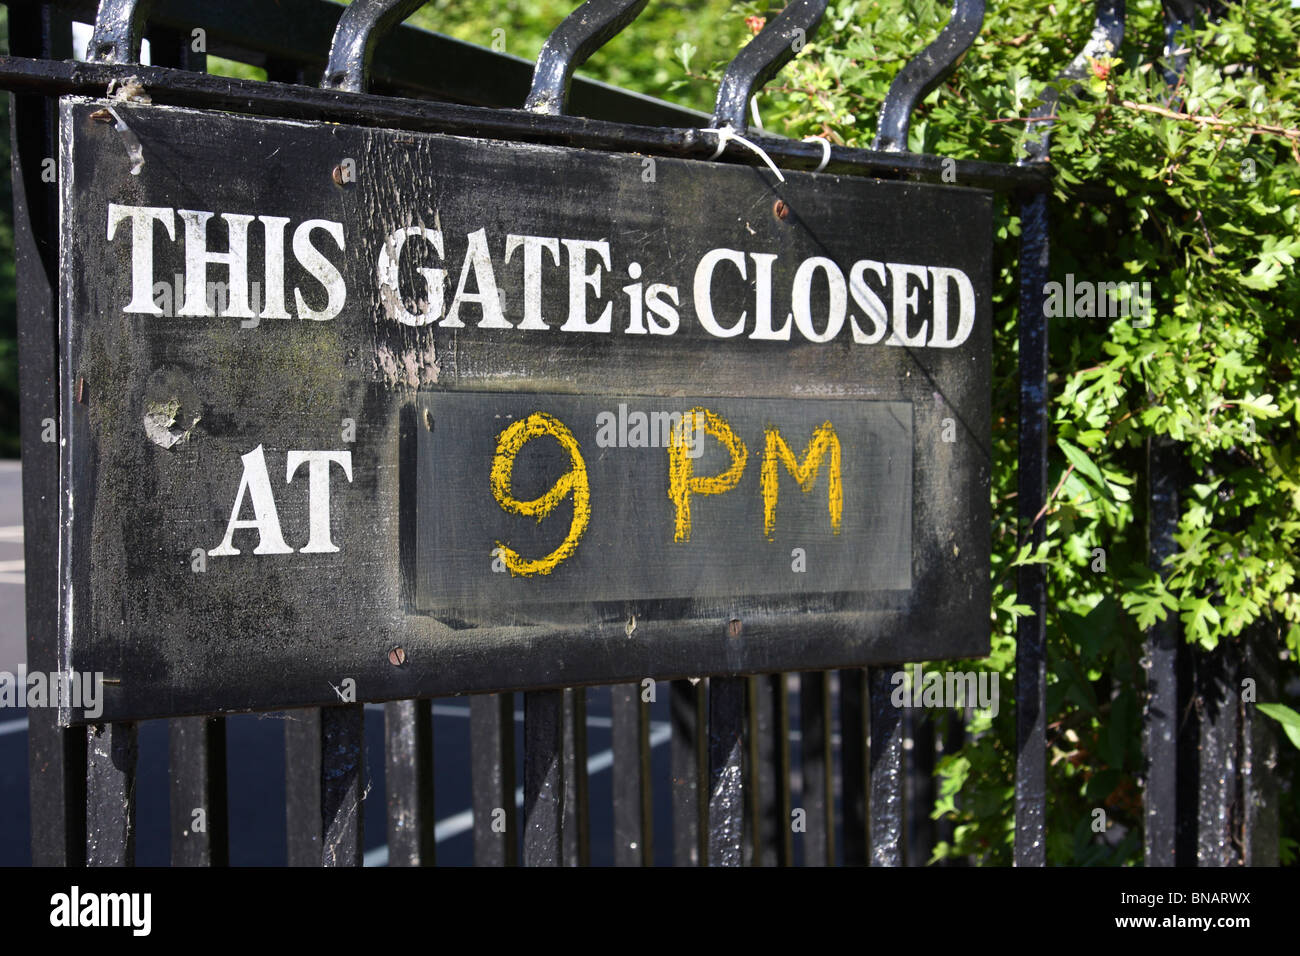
(564, 276)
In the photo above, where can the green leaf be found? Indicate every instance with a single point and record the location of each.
(1198, 616)
(1084, 465)
(1285, 716)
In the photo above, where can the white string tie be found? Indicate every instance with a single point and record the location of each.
(726, 133)
(826, 150)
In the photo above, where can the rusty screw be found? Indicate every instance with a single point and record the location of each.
(397, 656)
(780, 209)
(733, 627)
(338, 175)
(102, 116)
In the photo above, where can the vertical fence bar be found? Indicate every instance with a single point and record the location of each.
(176, 49)
(1188, 771)
(576, 827)
(885, 780)
(408, 782)
(302, 804)
(690, 772)
(1160, 704)
(324, 789)
(1261, 832)
(56, 756)
(200, 818)
(920, 730)
(1218, 815)
(342, 785)
(492, 775)
(112, 752)
(633, 810)
(818, 795)
(726, 771)
(769, 748)
(755, 818)
(543, 777)
(1031, 632)
(853, 764)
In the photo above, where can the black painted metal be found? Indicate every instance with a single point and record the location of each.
(119, 28)
(761, 59)
(492, 775)
(769, 782)
(110, 765)
(175, 49)
(690, 770)
(112, 752)
(359, 30)
(1031, 580)
(182, 88)
(56, 756)
(1180, 15)
(633, 811)
(926, 71)
(200, 819)
(293, 36)
(1160, 707)
(818, 797)
(578, 36)
(751, 847)
(576, 827)
(1105, 39)
(919, 728)
(1260, 790)
(726, 771)
(324, 785)
(885, 781)
(853, 765)
(342, 785)
(408, 782)
(1218, 688)
(543, 778)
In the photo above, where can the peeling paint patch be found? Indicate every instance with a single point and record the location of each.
(160, 424)
(407, 368)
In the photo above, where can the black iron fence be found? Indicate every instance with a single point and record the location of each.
(865, 779)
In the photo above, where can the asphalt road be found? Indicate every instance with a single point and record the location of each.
(255, 758)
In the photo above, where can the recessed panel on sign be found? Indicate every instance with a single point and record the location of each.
(526, 498)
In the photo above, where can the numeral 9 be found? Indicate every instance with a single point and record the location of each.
(574, 481)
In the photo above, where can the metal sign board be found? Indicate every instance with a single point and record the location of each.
(364, 414)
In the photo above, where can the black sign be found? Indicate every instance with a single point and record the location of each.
(537, 416)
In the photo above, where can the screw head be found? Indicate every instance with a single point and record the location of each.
(338, 175)
(397, 656)
(780, 209)
(733, 627)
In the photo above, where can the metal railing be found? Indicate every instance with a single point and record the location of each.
(731, 772)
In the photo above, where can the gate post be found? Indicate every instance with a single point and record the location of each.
(57, 756)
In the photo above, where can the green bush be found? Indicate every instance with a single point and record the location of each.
(1197, 192)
